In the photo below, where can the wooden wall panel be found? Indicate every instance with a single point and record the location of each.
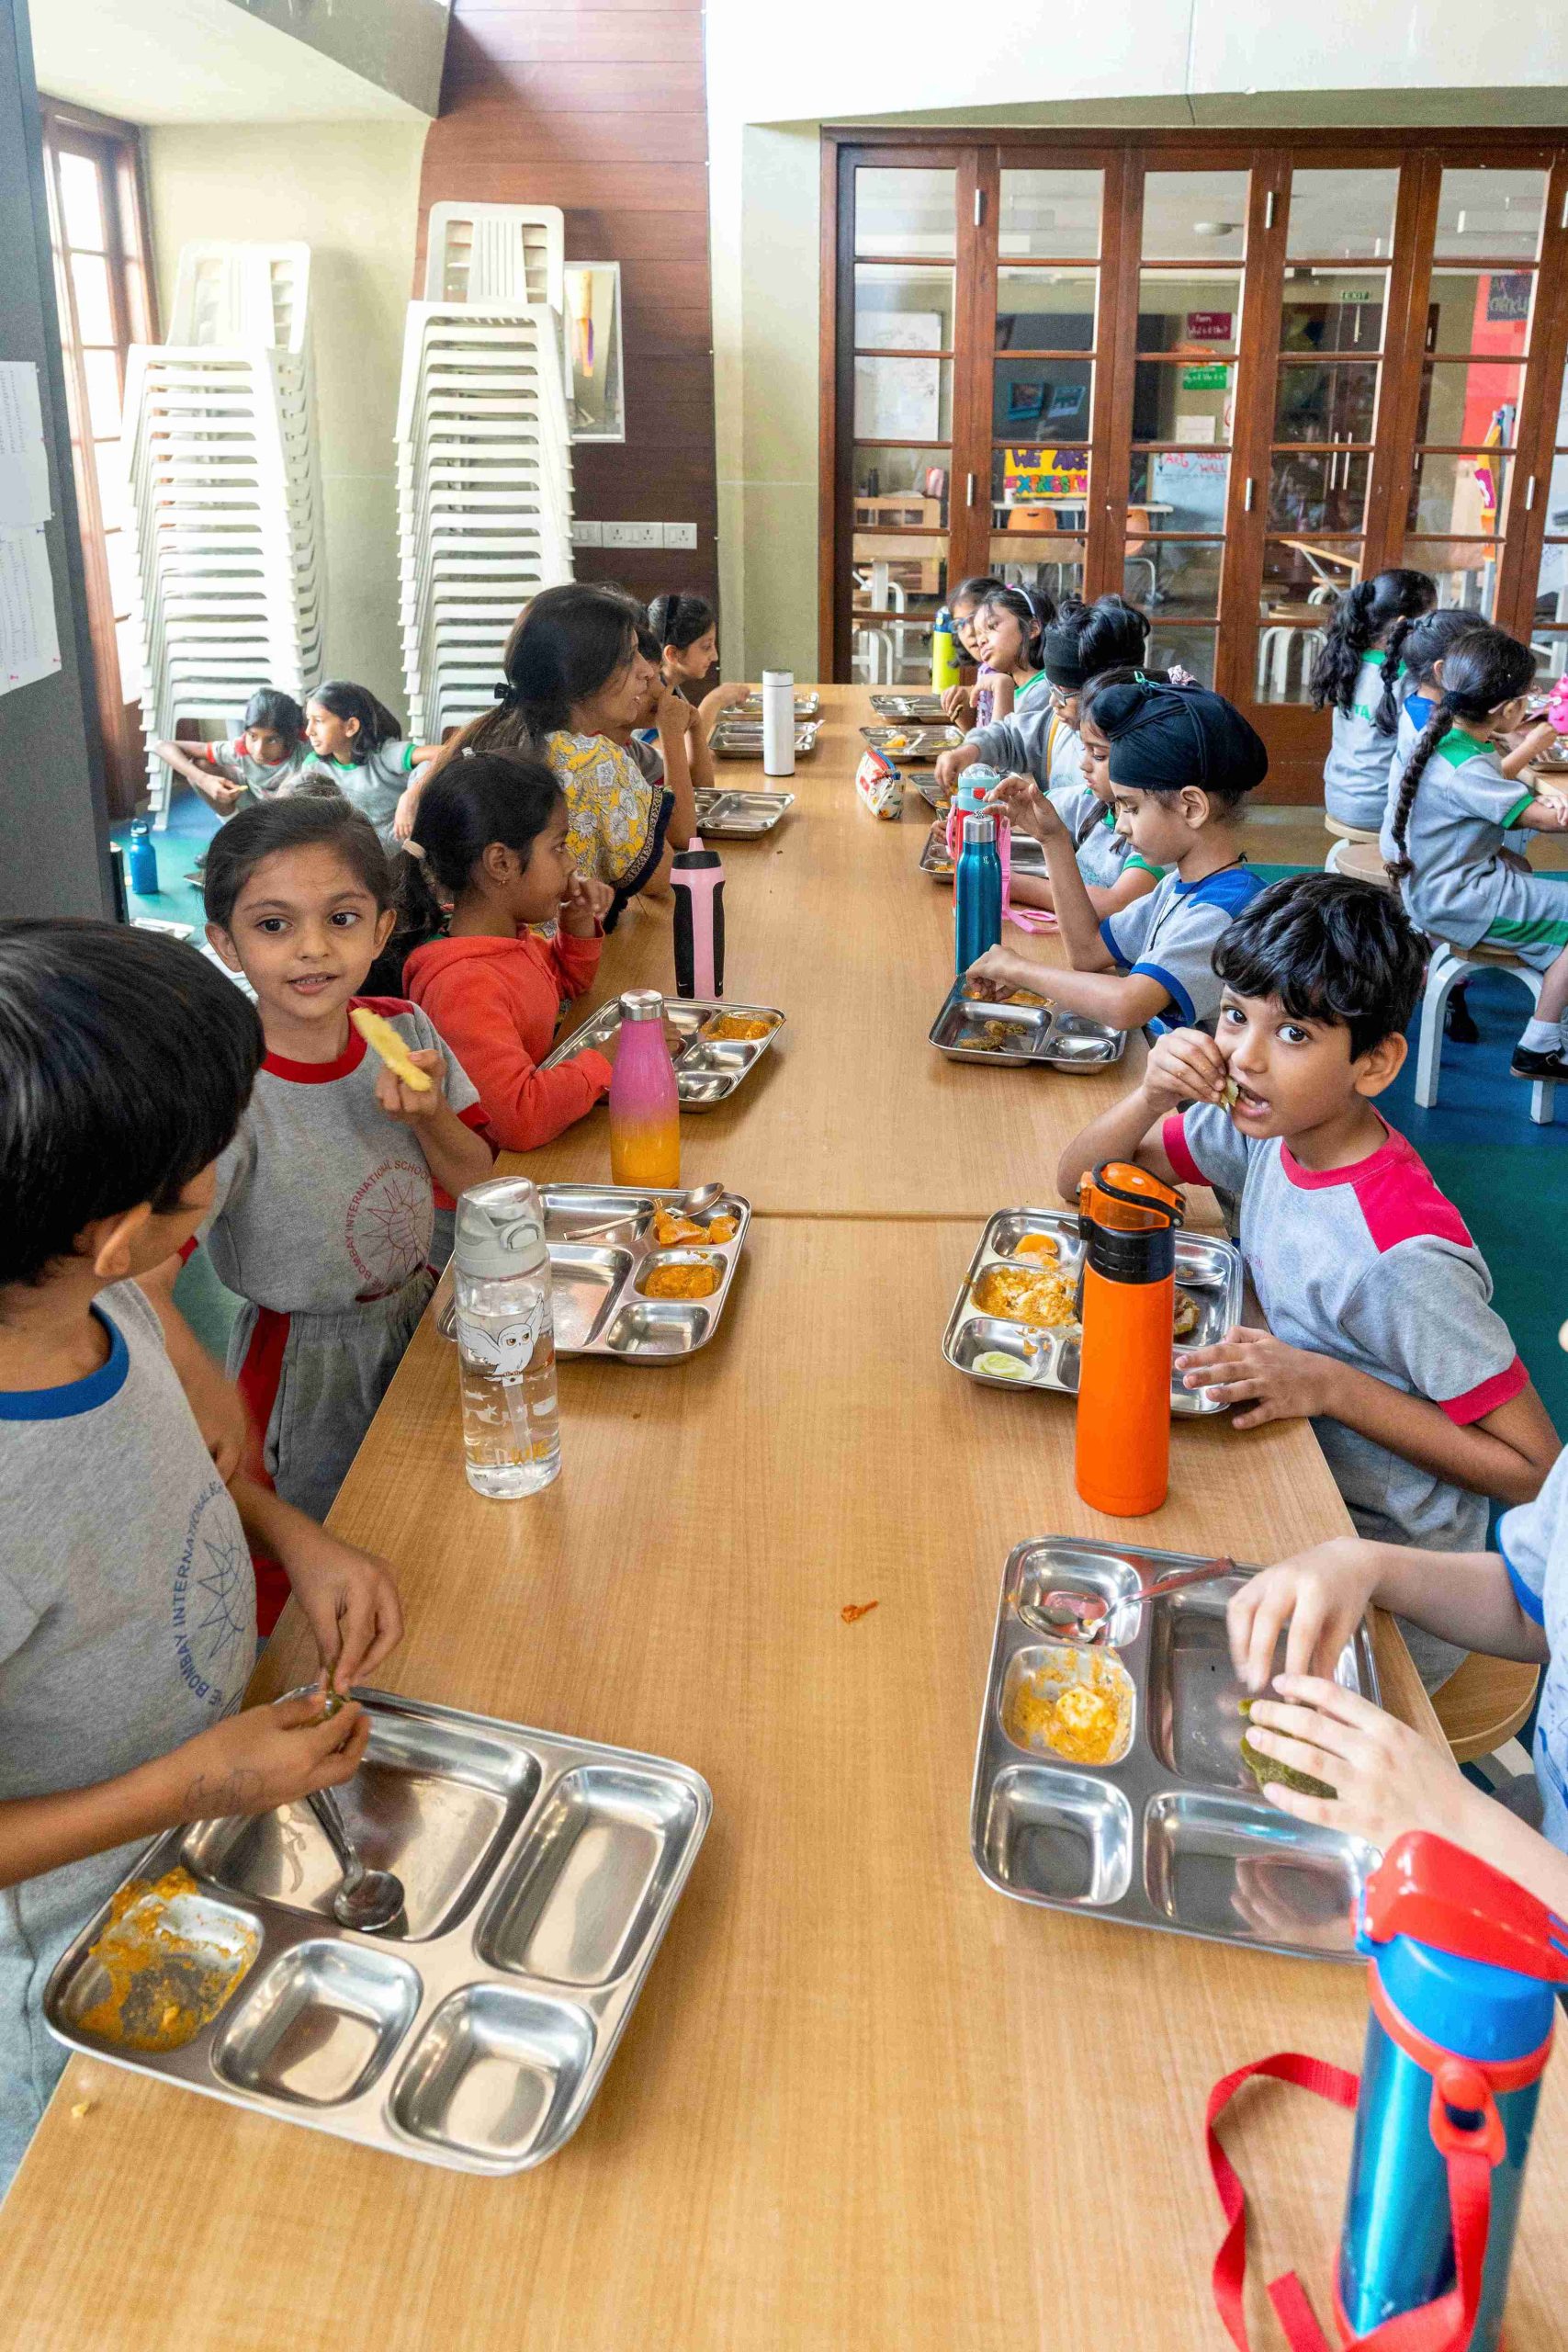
(600, 107)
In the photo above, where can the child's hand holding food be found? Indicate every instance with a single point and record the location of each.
(399, 1095)
(265, 1757)
(1315, 1601)
(1387, 1779)
(1185, 1066)
(584, 905)
(991, 975)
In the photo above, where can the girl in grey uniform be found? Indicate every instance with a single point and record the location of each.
(326, 1199)
(1443, 840)
(269, 754)
(1356, 675)
(1112, 869)
(1041, 739)
(358, 743)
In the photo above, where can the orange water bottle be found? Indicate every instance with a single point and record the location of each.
(1128, 1220)
(645, 1103)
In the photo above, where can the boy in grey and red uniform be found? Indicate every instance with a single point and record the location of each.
(1382, 1327)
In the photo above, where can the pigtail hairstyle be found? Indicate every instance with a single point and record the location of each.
(347, 701)
(1483, 668)
(1033, 610)
(680, 620)
(1368, 612)
(1431, 636)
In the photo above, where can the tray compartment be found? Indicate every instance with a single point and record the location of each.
(728, 1058)
(218, 1946)
(647, 1329)
(1007, 1231)
(1079, 1042)
(319, 2025)
(585, 1281)
(434, 1802)
(1221, 1866)
(592, 1873)
(567, 1214)
(1063, 1570)
(700, 1082)
(493, 2076)
(683, 1255)
(983, 1333)
(1055, 1666)
(1058, 1836)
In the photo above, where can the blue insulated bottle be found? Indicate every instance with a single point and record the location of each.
(1458, 2035)
(143, 861)
(977, 892)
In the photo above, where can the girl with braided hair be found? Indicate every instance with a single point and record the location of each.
(1356, 675)
(1443, 837)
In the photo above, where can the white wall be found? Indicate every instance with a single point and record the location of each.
(1213, 63)
(351, 191)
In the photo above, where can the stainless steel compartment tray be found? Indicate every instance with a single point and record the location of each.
(1025, 852)
(600, 1309)
(913, 742)
(542, 1872)
(1173, 1834)
(741, 739)
(1047, 1037)
(706, 1073)
(807, 706)
(1208, 1272)
(910, 705)
(741, 816)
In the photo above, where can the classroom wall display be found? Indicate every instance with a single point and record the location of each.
(898, 400)
(1045, 473)
(593, 348)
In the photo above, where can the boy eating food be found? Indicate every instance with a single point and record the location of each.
(1382, 1328)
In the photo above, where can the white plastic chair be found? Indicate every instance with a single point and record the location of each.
(496, 253)
(1448, 968)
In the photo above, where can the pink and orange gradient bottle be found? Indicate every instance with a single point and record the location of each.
(644, 1106)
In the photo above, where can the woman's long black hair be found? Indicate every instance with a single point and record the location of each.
(565, 645)
(347, 701)
(1033, 610)
(1373, 612)
(1480, 669)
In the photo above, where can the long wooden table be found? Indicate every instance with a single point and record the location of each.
(866, 2103)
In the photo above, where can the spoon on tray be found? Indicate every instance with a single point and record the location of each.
(367, 1899)
(1083, 1615)
(705, 1196)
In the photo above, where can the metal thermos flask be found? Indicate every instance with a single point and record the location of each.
(696, 875)
(1128, 1219)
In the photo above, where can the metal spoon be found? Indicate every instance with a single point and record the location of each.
(1085, 1614)
(706, 1196)
(367, 1899)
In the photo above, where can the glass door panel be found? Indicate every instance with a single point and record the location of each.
(904, 338)
(1045, 370)
(1549, 615)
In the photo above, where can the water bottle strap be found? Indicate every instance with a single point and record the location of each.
(1445, 2325)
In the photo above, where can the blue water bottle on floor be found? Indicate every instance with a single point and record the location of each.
(142, 864)
(1463, 1963)
(976, 892)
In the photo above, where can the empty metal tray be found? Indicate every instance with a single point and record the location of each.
(913, 743)
(741, 739)
(741, 816)
(540, 1872)
(969, 1029)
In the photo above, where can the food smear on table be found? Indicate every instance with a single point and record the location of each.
(168, 1972)
(670, 1228)
(852, 1611)
(1045, 1302)
(1265, 1768)
(681, 1282)
(1078, 1703)
(741, 1028)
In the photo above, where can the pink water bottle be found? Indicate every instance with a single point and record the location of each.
(697, 879)
(645, 1102)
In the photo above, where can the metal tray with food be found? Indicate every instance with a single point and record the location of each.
(740, 816)
(714, 1044)
(807, 706)
(1025, 1031)
(908, 705)
(741, 739)
(912, 742)
(1109, 1775)
(1015, 1321)
(1026, 854)
(538, 1873)
(637, 1274)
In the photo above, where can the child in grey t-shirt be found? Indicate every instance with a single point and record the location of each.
(1359, 676)
(1378, 1302)
(269, 754)
(357, 741)
(127, 1600)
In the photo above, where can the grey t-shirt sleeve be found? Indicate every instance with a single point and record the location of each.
(17, 1617)
(1526, 1536)
(1125, 931)
(1181, 956)
(1215, 1149)
(1424, 1308)
(1016, 746)
(1480, 787)
(422, 1035)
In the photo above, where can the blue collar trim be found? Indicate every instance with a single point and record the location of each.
(76, 1396)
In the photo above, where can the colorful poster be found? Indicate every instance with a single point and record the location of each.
(1210, 326)
(1045, 473)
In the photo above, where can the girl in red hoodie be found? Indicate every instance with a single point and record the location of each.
(490, 838)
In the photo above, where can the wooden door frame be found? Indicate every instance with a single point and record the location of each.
(1420, 155)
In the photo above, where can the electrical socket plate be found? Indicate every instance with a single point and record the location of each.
(634, 535)
(680, 535)
(587, 534)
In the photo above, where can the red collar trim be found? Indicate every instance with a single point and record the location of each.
(1393, 1149)
(317, 1073)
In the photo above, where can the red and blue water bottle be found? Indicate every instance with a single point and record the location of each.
(1464, 1964)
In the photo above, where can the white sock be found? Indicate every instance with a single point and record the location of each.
(1541, 1036)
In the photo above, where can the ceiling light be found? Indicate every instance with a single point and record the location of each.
(1216, 228)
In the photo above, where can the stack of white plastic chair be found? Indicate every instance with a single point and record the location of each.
(219, 453)
(484, 452)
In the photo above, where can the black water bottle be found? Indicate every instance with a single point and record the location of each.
(697, 877)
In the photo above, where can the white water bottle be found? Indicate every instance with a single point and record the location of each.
(778, 722)
(506, 1340)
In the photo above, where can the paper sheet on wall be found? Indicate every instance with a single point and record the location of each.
(29, 642)
(24, 466)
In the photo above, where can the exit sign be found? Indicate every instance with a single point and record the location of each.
(1211, 378)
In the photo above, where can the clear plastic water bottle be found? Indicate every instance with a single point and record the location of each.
(506, 1340)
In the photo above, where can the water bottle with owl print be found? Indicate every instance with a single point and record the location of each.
(506, 1340)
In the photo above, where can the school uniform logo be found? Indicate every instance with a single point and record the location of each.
(389, 1225)
(215, 1599)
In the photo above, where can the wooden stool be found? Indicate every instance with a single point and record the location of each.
(1483, 1704)
(1346, 837)
(1363, 862)
(1449, 965)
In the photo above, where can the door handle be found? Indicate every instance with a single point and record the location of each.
(969, 489)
